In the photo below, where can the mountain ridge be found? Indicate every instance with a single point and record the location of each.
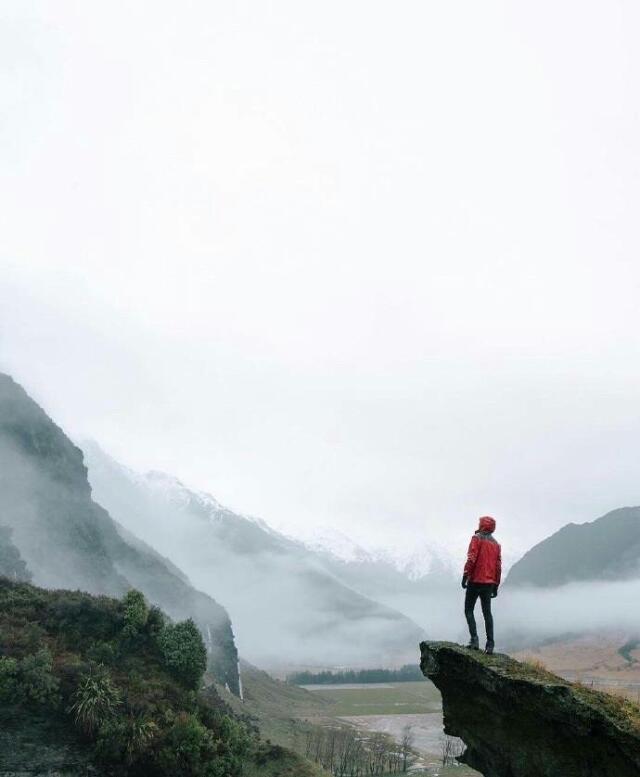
(68, 540)
(607, 548)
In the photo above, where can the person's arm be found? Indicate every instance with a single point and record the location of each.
(498, 573)
(472, 557)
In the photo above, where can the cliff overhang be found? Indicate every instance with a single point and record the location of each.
(518, 720)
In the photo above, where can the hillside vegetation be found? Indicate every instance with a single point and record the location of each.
(118, 684)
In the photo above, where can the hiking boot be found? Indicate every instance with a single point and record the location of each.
(473, 644)
(489, 649)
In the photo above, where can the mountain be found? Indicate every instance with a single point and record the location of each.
(605, 549)
(67, 540)
(425, 559)
(288, 603)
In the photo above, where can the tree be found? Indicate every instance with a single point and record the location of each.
(9, 683)
(406, 747)
(452, 747)
(37, 681)
(184, 652)
(136, 613)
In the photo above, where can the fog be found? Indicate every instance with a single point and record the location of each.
(292, 606)
(525, 617)
(364, 267)
(286, 604)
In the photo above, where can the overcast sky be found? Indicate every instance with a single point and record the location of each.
(367, 265)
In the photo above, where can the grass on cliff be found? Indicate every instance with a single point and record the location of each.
(619, 710)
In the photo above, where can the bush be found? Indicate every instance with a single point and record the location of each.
(102, 653)
(189, 750)
(193, 750)
(37, 682)
(155, 622)
(8, 679)
(95, 701)
(125, 740)
(136, 613)
(81, 619)
(32, 637)
(184, 653)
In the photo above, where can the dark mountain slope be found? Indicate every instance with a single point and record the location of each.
(605, 549)
(69, 541)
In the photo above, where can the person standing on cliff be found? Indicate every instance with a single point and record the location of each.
(481, 579)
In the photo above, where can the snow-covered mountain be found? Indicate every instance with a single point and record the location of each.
(421, 560)
(288, 602)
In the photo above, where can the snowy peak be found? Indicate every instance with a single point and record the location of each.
(335, 544)
(413, 563)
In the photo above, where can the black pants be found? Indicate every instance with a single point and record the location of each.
(483, 592)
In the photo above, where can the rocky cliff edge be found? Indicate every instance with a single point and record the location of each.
(518, 720)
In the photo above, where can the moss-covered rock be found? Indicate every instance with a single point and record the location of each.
(519, 720)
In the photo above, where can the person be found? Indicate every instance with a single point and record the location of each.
(481, 578)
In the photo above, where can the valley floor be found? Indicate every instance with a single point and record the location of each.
(606, 662)
(286, 713)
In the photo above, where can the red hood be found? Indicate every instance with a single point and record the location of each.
(487, 523)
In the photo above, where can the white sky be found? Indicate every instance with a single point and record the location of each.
(360, 264)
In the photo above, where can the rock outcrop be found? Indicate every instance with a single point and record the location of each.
(518, 720)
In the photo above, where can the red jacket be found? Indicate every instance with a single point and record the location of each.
(484, 560)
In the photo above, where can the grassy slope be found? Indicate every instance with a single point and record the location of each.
(396, 699)
(281, 762)
(609, 659)
(279, 709)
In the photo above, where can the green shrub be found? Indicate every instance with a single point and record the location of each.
(193, 750)
(136, 613)
(155, 622)
(102, 653)
(189, 750)
(126, 739)
(95, 701)
(233, 743)
(139, 733)
(8, 679)
(37, 681)
(81, 619)
(184, 652)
